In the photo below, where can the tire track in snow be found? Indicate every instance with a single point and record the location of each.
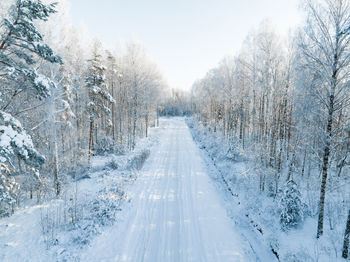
(176, 213)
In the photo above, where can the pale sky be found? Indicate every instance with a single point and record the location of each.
(185, 38)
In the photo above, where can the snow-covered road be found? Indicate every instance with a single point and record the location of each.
(176, 213)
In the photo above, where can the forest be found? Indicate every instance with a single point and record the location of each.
(280, 106)
(86, 100)
(284, 102)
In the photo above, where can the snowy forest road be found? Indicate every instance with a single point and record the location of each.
(176, 213)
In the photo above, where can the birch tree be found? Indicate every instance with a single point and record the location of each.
(325, 48)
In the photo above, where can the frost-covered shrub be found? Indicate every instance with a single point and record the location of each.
(300, 256)
(113, 164)
(137, 161)
(291, 206)
(190, 122)
(119, 149)
(106, 206)
(49, 226)
(78, 172)
(94, 215)
(233, 151)
(106, 145)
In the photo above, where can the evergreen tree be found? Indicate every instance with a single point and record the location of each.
(21, 46)
(291, 206)
(99, 97)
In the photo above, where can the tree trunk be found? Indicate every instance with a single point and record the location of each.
(113, 115)
(96, 136)
(146, 122)
(303, 166)
(325, 165)
(120, 128)
(345, 252)
(91, 138)
(134, 126)
(56, 170)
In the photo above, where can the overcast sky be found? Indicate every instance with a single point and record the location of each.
(184, 37)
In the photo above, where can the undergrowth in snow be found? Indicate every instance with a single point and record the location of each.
(90, 202)
(238, 172)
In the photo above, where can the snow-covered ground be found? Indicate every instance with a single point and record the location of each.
(170, 210)
(257, 213)
(58, 230)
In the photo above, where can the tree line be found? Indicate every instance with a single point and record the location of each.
(64, 98)
(286, 100)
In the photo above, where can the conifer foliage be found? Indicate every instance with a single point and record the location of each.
(8, 191)
(291, 206)
(99, 97)
(21, 46)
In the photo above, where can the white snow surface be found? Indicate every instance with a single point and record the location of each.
(176, 213)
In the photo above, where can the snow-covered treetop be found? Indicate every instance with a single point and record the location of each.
(21, 44)
(95, 81)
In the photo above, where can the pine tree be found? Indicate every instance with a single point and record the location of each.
(21, 46)
(99, 97)
(291, 206)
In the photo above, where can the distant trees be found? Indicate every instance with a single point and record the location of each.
(247, 98)
(177, 104)
(142, 87)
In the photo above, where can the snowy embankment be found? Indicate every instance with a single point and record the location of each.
(256, 213)
(59, 229)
